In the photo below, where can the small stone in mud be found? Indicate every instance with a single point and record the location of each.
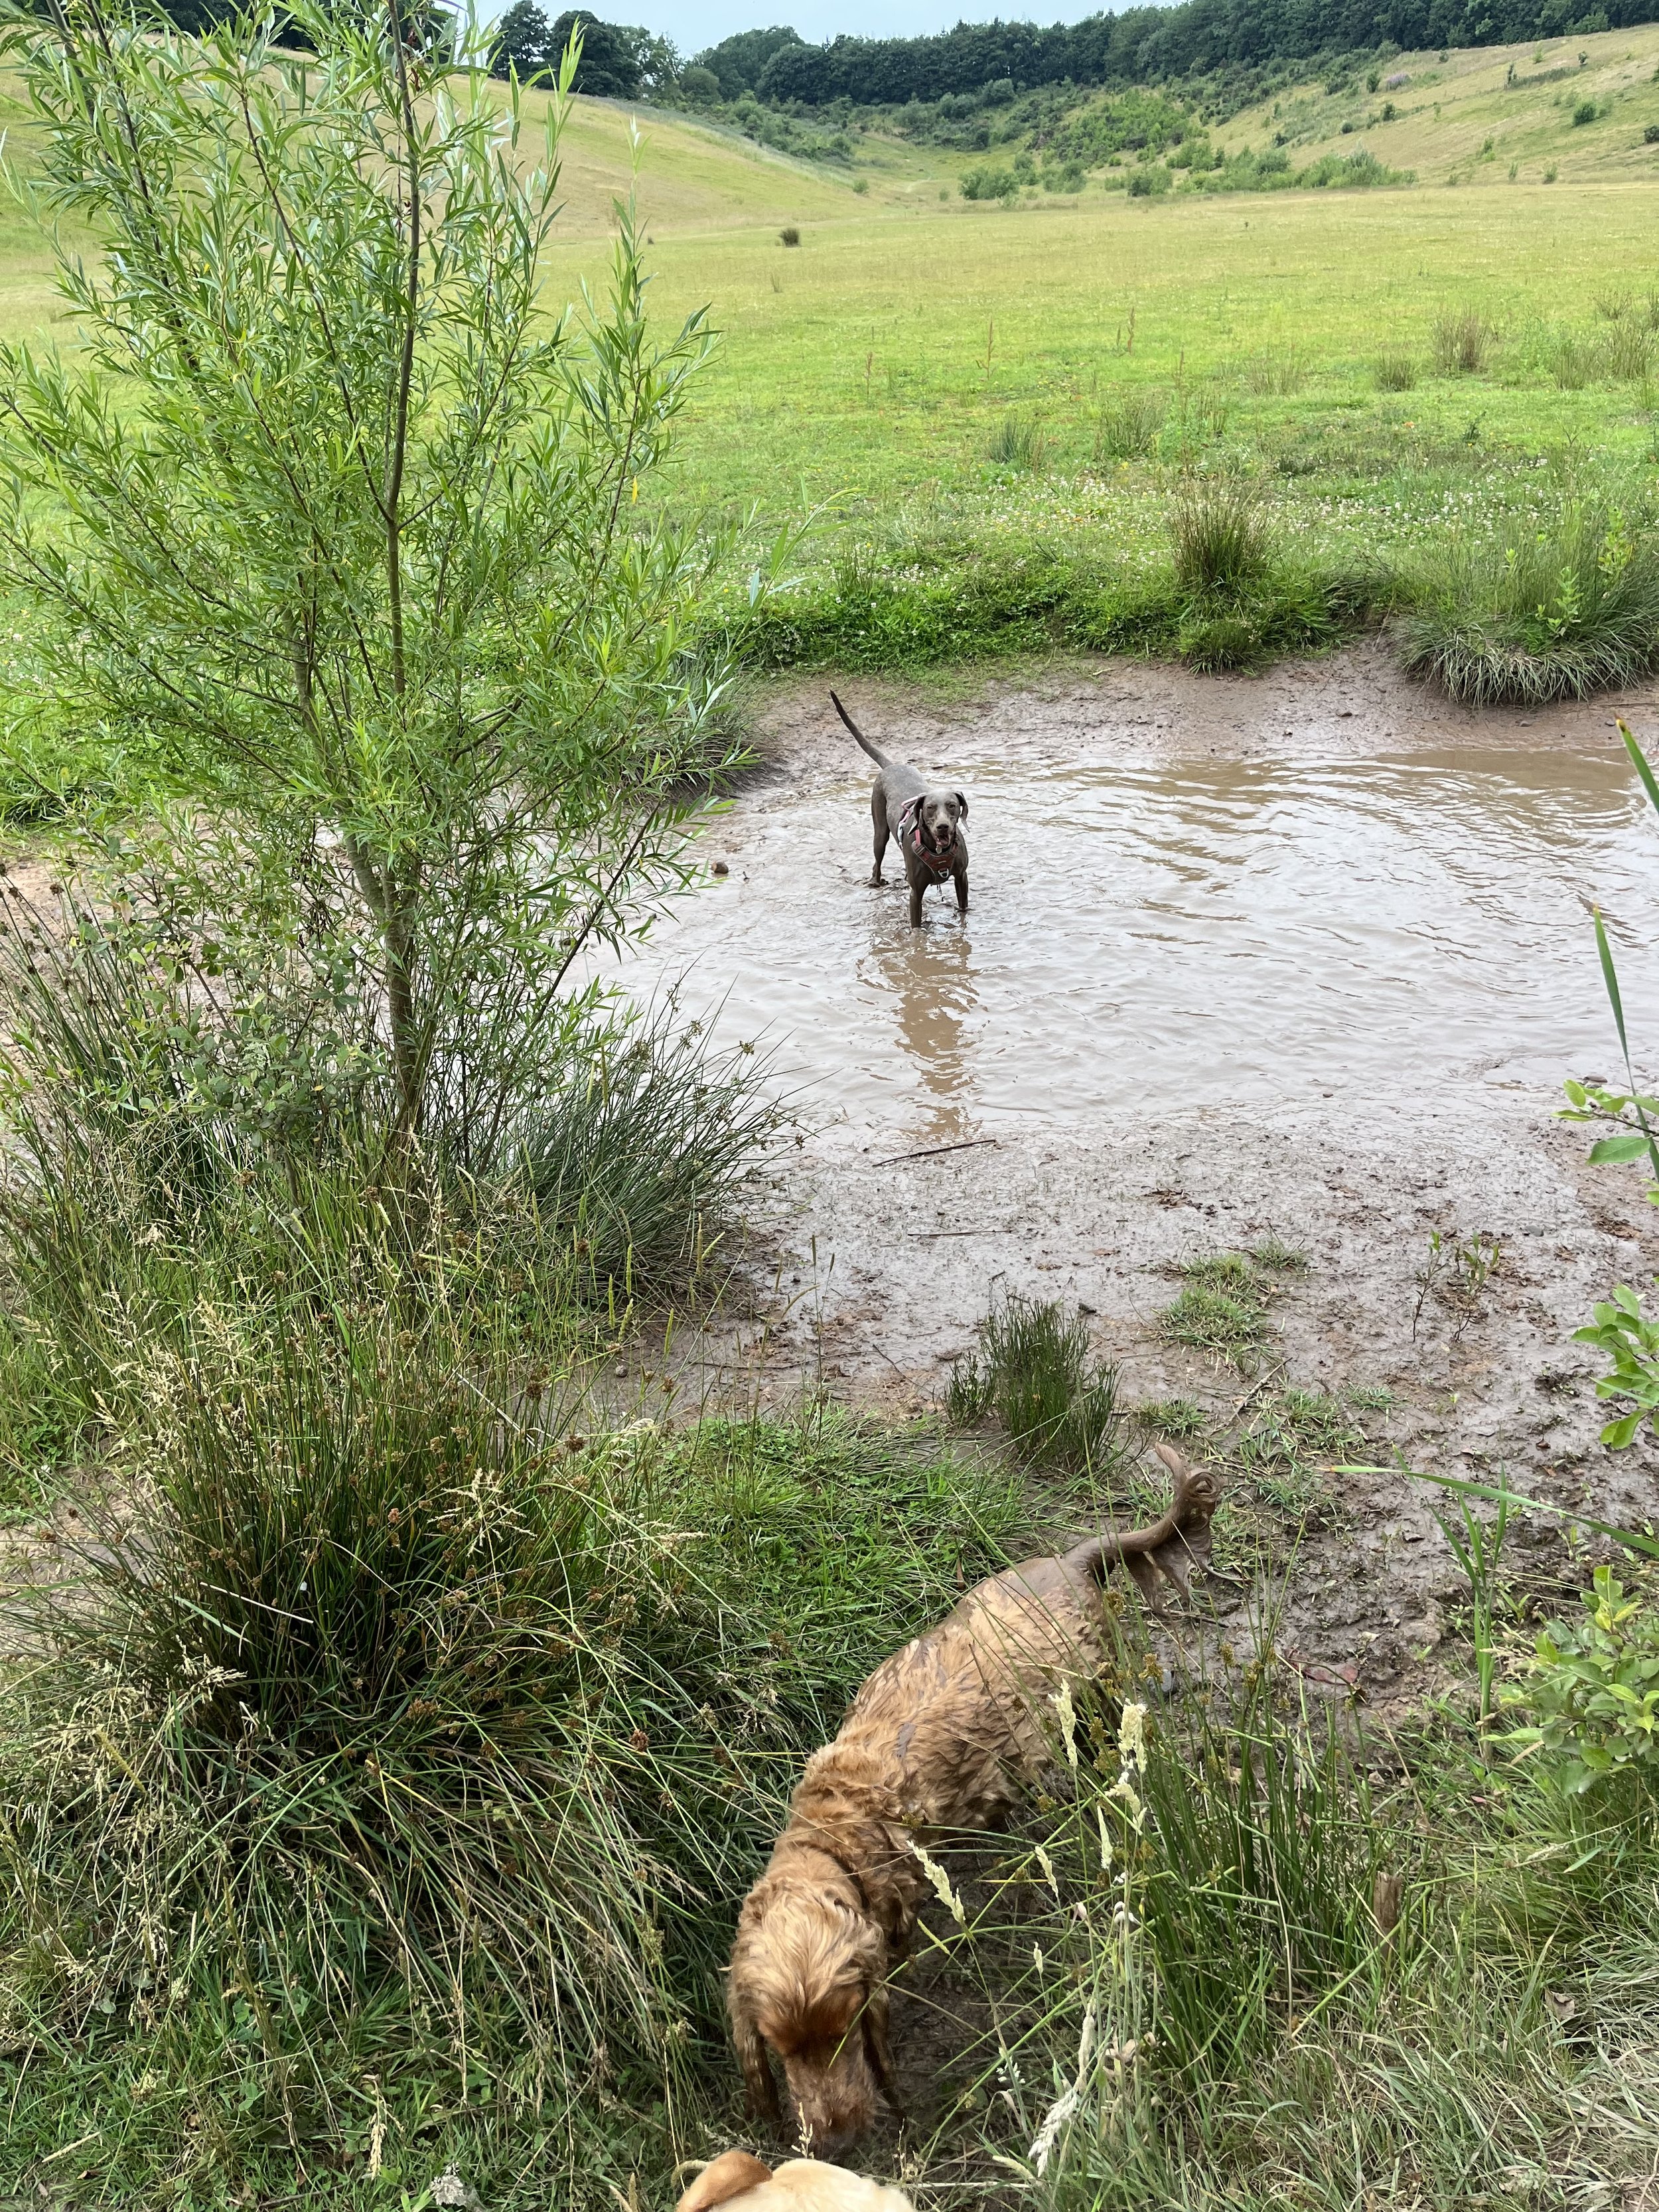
(719, 868)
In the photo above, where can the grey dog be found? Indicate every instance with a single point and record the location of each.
(925, 825)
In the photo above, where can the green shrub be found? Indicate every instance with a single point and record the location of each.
(1149, 182)
(1585, 111)
(1560, 615)
(989, 182)
(1630, 1340)
(360, 471)
(1220, 536)
(1593, 1686)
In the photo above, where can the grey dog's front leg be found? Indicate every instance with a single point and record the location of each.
(960, 874)
(917, 889)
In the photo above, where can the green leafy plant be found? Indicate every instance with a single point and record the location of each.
(328, 523)
(1631, 1342)
(1593, 1684)
(1478, 1550)
(989, 182)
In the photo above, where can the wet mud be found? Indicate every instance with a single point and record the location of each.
(1302, 957)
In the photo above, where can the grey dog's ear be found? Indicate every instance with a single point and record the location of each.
(962, 801)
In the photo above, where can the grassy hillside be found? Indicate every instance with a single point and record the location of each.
(1467, 118)
(945, 384)
(694, 176)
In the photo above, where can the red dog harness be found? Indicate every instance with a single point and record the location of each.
(909, 834)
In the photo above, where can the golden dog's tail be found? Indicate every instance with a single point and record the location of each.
(874, 751)
(1171, 1548)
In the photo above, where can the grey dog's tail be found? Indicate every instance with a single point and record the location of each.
(1172, 1547)
(874, 751)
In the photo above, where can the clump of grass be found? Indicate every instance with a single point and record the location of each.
(1394, 371)
(1272, 1253)
(1128, 430)
(1057, 1405)
(1627, 351)
(1462, 341)
(1275, 374)
(789, 235)
(409, 1740)
(1220, 535)
(1573, 363)
(1283, 1442)
(1560, 615)
(1017, 444)
(633, 1156)
(1221, 1308)
(1180, 1419)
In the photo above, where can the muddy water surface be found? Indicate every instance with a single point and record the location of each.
(1202, 929)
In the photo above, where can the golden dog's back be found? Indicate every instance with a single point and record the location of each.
(965, 1713)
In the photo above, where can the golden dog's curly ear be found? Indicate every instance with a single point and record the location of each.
(753, 2059)
(733, 2174)
(881, 2049)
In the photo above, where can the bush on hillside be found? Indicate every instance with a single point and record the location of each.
(989, 183)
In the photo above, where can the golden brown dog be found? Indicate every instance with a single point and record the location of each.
(742, 2183)
(943, 1735)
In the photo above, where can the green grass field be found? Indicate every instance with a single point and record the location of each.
(865, 376)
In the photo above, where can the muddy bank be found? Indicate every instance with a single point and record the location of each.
(1303, 956)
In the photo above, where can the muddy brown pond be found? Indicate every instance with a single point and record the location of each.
(1204, 930)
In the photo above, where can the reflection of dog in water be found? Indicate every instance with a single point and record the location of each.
(925, 824)
(742, 2183)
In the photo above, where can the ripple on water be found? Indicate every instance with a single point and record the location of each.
(1205, 931)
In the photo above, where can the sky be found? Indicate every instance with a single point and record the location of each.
(695, 24)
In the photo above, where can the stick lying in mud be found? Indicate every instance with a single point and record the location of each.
(932, 1152)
